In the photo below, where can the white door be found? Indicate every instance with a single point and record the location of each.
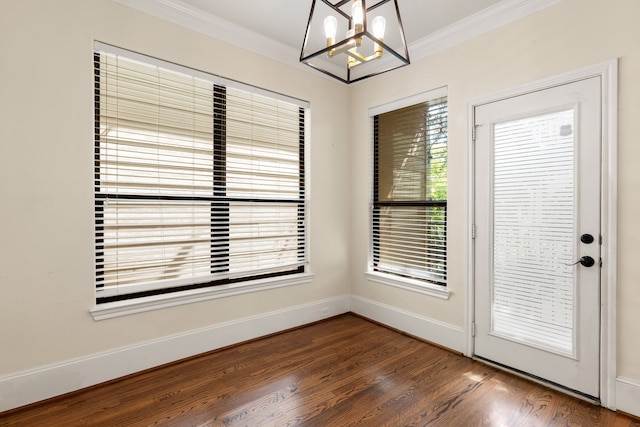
(537, 214)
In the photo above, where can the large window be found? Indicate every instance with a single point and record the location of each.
(198, 181)
(409, 209)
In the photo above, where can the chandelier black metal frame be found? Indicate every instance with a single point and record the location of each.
(369, 47)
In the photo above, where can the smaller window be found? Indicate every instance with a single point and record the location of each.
(409, 209)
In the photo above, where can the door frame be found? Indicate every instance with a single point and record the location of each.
(608, 72)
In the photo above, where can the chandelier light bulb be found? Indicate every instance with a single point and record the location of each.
(357, 17)
(357, 14)
(379, 24)
(330, 27)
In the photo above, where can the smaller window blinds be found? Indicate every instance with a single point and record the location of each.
(197, 182)
(410, 191)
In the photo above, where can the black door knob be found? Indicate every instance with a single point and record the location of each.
(586, 238)
(587, 261)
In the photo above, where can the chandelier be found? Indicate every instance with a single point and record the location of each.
(350, 41)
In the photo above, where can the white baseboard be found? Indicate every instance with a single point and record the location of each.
(628, 396)
(444, 334)
(34, 385)
(49, 381)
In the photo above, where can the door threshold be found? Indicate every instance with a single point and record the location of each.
(539, 380)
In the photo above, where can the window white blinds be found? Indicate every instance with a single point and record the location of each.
(534, 231)
(197, 182)
(410, 191)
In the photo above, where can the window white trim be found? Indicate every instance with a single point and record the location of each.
(282, 168)
(408, 101)
(156, 302)
(419, 286)
(411, 284)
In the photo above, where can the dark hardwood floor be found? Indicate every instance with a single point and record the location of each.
(345, 371)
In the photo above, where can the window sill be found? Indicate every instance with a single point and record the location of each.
(409, 284)
(156, 302)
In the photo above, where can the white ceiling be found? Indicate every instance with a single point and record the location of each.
(275, 28)
(285, 20)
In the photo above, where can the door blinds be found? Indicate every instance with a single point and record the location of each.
(534, 231)
(410, 191)
(197, 182)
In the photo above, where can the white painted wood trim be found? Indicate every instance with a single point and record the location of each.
(608, 71)
(156, 302)
(437, 332)
(469, 312)
(408, 101)
(49, 381)
(409, 284)
(628, 395)
(477, 24)
(182, 14)
(597, 70)
(609, 280)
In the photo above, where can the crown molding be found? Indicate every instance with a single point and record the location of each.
(179, 13)
(474, 25)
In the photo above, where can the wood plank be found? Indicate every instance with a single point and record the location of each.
(345, 371)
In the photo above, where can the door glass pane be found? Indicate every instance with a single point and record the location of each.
(533, 190)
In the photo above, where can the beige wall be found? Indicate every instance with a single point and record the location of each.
(46, 206)
(46, 142)
(570, 35)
